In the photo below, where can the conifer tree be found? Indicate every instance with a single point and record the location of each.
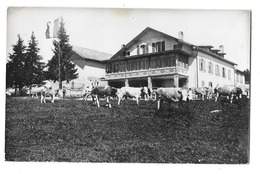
(33, 65)
(15, 74)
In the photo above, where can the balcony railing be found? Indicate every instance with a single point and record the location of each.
(146, 73)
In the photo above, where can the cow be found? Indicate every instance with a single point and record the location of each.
(245, 90)
(10, 91)
(47, 92)
(131, 92)
(146, 93)
(86, 92)
(35, 90)
(173, 95)
(203, 92)
(229, 91)
(103, 91)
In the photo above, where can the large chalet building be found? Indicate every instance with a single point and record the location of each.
(156, 59)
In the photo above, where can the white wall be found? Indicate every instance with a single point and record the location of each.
(208, 77)
(88, 70)
(192, 72)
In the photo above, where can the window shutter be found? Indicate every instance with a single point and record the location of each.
(147, 48)
(163, 45)
(153, 47)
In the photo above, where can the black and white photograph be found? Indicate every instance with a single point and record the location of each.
(128, 85)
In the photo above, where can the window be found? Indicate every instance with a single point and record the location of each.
(202, 65)
(237, 78)
(223, 72)
(147, 48)
(144, 63)
(217, 70)
(137, 48)
(155, 62)
(182, 62)
(163, 45)
(128, 53)
(210, 84)
(142, 49)
(210, 68)
(177, 46)
(229, 74)
(202, 83)
(108, 68)
(158, 46)
(153, 47)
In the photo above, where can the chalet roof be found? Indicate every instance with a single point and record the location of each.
(146, 30)
(200, 48)
(90, 54)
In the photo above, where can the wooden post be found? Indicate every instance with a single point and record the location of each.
(150, 85)
(126, 83)
(176, 81)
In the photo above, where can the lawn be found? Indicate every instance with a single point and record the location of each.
(76, 131)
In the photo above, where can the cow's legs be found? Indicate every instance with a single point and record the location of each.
(137, 101)
(97, 100)
(159, 104)
(216, 97)
(43, 98)
(231, 98)
(108, 102)
(119, 99)
(52, 96)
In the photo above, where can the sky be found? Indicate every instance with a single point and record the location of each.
(106, 29)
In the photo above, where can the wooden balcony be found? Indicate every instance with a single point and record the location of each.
(146, 73)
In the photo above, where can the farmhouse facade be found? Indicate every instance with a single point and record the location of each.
(156, 59)
(90, 65)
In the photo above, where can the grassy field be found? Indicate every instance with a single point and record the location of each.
(74, 131)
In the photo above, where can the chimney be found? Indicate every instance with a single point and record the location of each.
(221, 48)
(180, 35)
(123, 45)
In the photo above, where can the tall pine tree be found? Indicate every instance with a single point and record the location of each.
(68, 71)
(15, 73)
(33, 65)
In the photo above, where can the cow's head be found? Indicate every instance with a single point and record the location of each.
(145, 91)
(114, 92)
(119, 93)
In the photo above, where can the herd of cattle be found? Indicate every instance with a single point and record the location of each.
(160, 94)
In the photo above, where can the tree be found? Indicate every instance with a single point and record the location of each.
(33, 65)
(247, 75)
(15, 74)
(68, 71)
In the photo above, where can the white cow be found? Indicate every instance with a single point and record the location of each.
(130, 92)
(230, 91)
(34, 90)
(87, 92)
(47, 92)
(173, 95)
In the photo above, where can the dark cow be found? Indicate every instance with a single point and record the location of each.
(146, 93)
(228, 91)
(173, 95)
(103, 91)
